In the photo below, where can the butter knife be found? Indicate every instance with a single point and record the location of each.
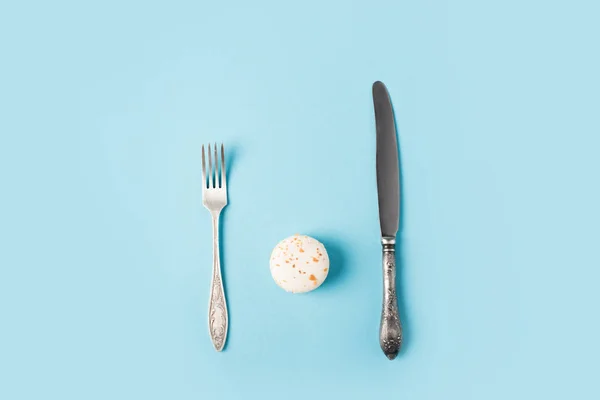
(388, 191)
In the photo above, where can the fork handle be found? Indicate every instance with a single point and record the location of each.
(217, 307)
(390, 331)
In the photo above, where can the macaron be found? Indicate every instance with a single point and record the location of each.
(299, 264)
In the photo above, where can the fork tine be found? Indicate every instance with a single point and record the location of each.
(223, 175)
(203, 169)
(217, 185)
(210, 169)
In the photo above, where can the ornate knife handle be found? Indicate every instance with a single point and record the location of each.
(390, 331)
(217, 307)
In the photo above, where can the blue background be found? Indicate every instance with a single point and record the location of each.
(105, 260)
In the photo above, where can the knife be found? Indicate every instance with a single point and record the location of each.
(388, 192)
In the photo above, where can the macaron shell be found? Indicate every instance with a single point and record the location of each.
(299, 264)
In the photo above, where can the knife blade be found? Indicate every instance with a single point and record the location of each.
(388, 193)
(388, 175)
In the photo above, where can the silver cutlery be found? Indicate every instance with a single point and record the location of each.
(388, 191)
(214, 198)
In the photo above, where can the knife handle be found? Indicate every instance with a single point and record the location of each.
(390, 331)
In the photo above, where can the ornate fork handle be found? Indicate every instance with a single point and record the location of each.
(217, 308)
(390, 331)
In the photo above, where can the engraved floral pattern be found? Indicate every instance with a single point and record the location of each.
(217, 322)
(390, 311)
(390, 332)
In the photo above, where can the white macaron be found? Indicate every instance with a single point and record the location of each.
(299, 264)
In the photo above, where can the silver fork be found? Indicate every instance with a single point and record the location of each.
(214, 198)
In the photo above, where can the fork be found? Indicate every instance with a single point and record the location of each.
(214, 198)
